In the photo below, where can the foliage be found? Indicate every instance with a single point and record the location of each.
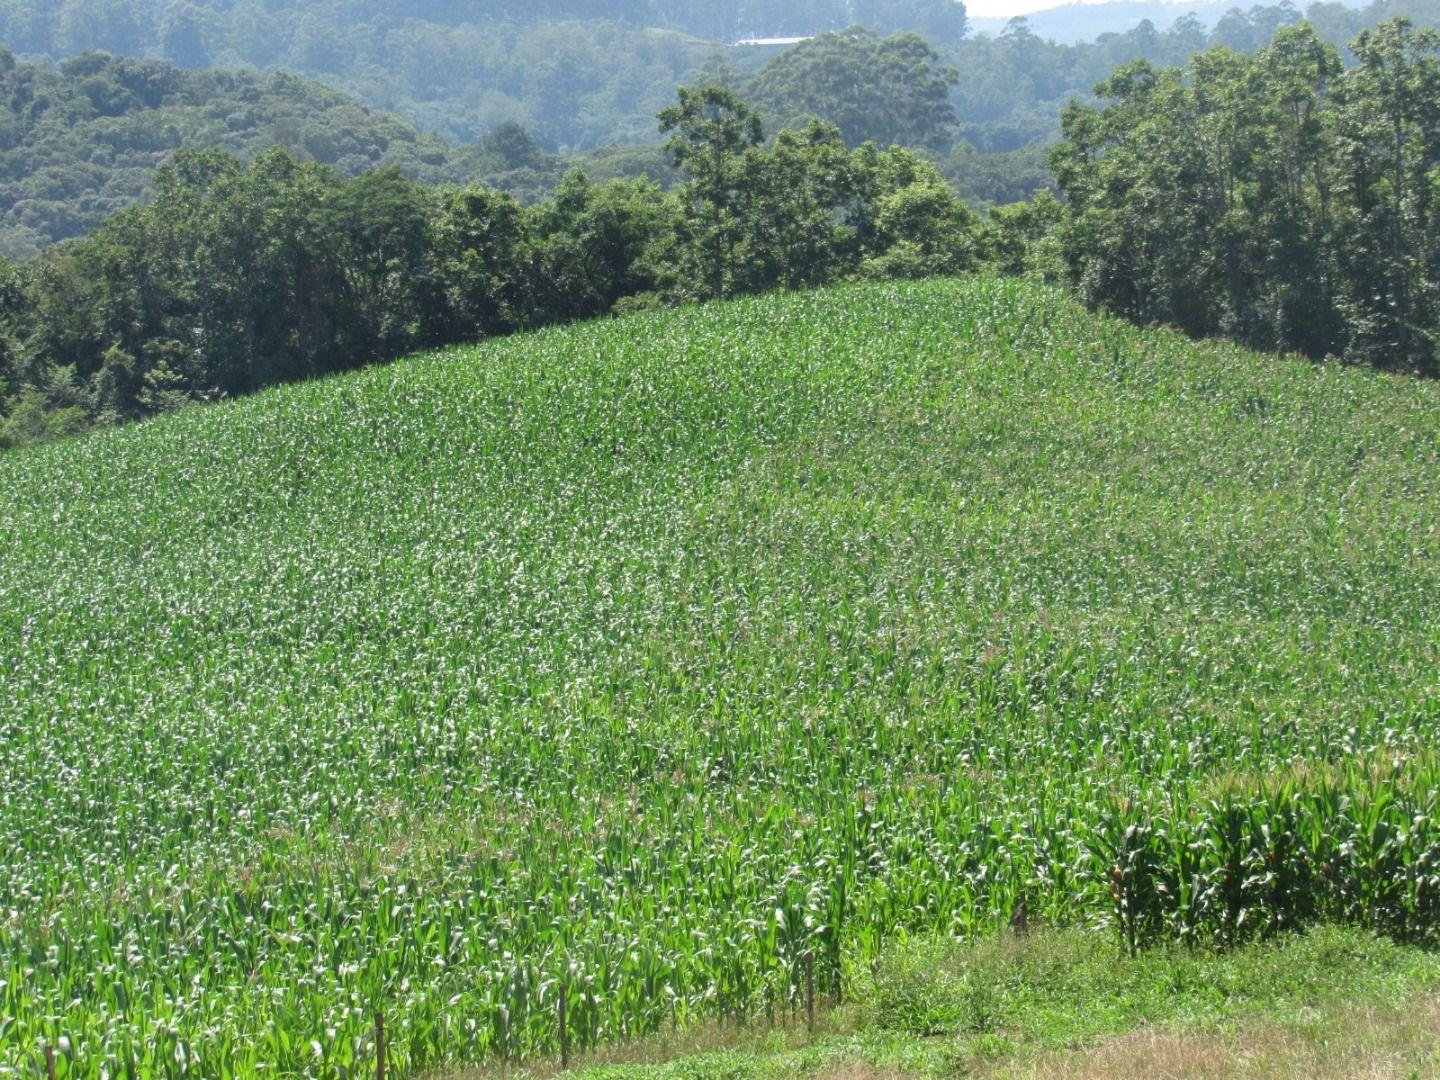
(578, 72)
(1282, 199)
(1015, 84)
(889, 91)
(34, 419)
(634, 660)
(1023, 238)
(80, 143)
(710, 132)
(83, 142)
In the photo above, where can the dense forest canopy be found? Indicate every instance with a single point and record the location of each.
(1282, 199)
(575, 73)
(1013, 85)
(884, 90)
(578, 75)
(79, 142)
(83, 141)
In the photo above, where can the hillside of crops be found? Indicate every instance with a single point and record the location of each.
(669, 661)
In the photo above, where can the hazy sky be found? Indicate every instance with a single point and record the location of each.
(990, 8)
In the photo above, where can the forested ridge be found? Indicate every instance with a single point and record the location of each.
(575, 73)
(581, 74)
(80, 137)
(79, 143)
(83, 141)
(1288, 198)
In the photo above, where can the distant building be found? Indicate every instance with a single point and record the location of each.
(774, 40)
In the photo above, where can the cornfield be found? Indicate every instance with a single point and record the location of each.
(643, 661)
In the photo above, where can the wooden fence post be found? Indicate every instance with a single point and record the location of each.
(379, 1046)
(810, 992)
(564, 1029)
(49, 1062)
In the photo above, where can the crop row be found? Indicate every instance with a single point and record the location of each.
(642, 660)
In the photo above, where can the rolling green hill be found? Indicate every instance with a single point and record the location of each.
(81, 142)
(644, 659)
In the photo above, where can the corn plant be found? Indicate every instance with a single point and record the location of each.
(650, 661)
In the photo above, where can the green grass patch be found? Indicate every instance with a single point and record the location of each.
(1063, 1001)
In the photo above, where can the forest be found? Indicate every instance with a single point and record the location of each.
(575, 73)
(1282, 199)
(580, 74)
(82, 136)
(83, 141)
(1285, 197)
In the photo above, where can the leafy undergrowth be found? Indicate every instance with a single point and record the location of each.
(639, 661)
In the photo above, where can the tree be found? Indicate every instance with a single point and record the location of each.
(182, 38)
(909, 222)
(1293, 198)
(13, 309)
(1387, 130)
(796, 197)
(479, 237)
(379, 225)
(710, 130)
(593, 244)
(1279, 199)
(891, 91)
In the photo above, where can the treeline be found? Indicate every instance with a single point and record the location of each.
(1281, 199)
(81, 142)
(1016, 83)
(236, 277)
(576, 73)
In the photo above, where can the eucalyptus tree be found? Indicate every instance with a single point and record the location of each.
(1386, 130)
(887, 90)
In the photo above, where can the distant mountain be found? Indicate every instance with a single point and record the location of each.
(80, 142)
(1072, 23)
(576, 73)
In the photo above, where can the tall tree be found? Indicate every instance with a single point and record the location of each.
(890, 91)
(710, 130)
(1387, 131)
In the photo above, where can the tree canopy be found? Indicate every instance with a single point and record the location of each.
(888, 90)
(1281, 198)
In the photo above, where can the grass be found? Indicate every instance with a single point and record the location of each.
(640, 660)
(1331, 1002)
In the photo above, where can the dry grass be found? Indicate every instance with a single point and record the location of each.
(1336, 1042)
(697, 1041)
(1339, 1042)
(859, 1071)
